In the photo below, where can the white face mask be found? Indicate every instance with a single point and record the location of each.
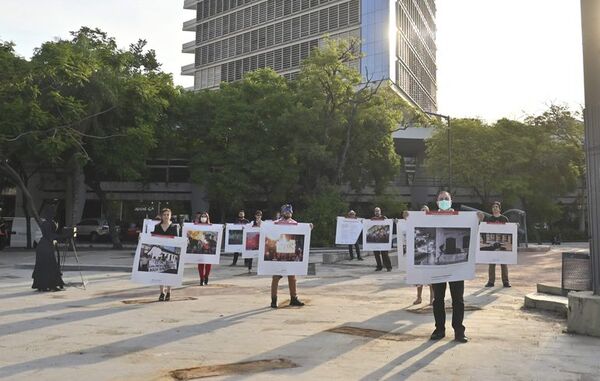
(203, 219)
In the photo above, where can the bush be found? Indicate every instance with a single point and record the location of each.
(322, 211)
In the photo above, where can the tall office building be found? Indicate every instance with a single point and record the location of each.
(234, 37)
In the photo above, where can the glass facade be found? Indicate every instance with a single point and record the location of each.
(234, 37)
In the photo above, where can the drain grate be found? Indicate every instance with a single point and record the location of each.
(374, 333)
(429, 309)
(229, 369)
(154, 300)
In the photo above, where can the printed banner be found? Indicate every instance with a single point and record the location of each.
(284, 249)
(204, 242)
(159, 260)
(377, 235)
(251, 242)
(441, 247)
(347, 230)
(234, 238)
(497, 243)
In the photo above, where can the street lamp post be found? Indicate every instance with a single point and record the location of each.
(449, 146)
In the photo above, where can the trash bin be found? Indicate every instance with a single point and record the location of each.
(576, 272)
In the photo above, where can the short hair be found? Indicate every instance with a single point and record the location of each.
(497, 203)
(163, 210)
(441, 192)
(258, 212)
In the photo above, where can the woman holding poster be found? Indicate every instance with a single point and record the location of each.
(497, 217)
(168, 229)
(286, 218)
(203, 268)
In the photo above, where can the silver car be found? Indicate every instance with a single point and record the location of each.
(93, 228)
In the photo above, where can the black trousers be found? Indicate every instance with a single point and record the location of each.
(457, 289)
(235, 258)
(357, 250)
(383, 256)
(248, 262)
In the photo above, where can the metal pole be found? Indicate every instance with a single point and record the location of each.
(590, 27)
(449, 156)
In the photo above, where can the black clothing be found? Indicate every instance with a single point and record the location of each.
(240, 221)
(457, 290)
(46, 273)
(172, 230)
(383, 258)
(500, 218)
(357, 250)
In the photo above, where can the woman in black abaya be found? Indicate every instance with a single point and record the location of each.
(46, 273)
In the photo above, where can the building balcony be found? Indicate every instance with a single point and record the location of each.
(189, 47)
(188, 69)
(190, 4)
(190, 25)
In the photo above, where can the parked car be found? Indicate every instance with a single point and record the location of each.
(93, 228)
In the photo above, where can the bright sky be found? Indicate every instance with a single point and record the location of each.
(495, 57)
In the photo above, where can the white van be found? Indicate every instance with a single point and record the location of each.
(18, 232)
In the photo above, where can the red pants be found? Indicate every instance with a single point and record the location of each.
(204, 270)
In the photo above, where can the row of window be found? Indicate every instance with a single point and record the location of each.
(408, 10)
(256, 15)
(410, 85)
(209, 8)
(415, 64)
(427, 14)
(311, 24)
(405, 26)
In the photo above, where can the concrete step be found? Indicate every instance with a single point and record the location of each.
(551, 289)
(547, 302)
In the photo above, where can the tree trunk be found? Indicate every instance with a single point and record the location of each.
(114, 235)
(18, 181)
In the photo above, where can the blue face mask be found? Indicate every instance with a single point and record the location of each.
(444, 204)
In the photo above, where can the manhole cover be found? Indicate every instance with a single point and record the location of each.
(234, 368)
(148, 301)
(429, 309)
(373, 333)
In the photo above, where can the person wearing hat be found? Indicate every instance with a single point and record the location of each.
(497, 217)
(286, 218)
(352, 215)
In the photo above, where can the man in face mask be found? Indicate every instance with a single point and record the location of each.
(457, 289)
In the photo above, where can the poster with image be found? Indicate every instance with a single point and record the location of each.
(204, 242)
(401, 243)
(251, 242)
(284, 249)
(497, 243)
(159, 260)
(347, 230)
(234, 238)
(377, 234)
(440, 247)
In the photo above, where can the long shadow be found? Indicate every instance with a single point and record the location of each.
(381, 372)
(405, 373)
(128, 346)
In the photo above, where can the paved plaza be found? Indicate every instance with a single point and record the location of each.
(357, 325)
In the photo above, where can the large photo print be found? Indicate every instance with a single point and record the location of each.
(159, 260)
(251, 242)
(284, 249)
(234, 239)
(440, 247)
(377, 234)
(497, 243)
(204, 242)
(347, 230)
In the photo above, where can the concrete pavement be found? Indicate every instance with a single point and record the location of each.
(357, 325)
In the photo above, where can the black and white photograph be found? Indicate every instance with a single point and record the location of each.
(377, 234)
(495, 242)
(159, 260)
(441, 246)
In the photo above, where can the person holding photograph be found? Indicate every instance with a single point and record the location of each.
(240, 221)
(166, 228)
(381, 255)
(255, 224)
(203, 268)
(352, 215)
(457, 290)
(497, 217)
(286, 218)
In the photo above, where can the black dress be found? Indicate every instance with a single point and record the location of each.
(172, 230)
(46, 273)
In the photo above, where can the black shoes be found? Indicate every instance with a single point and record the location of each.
(273, 302)
(359, 259)
(389, 269)
(351, 258)
(206, 281)
(201, 281)
(461, 339)
(378, 268)
(507, 284)
(161, 298)
(488, 284)
(296, 302)
(168, 297)
(437, 335)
